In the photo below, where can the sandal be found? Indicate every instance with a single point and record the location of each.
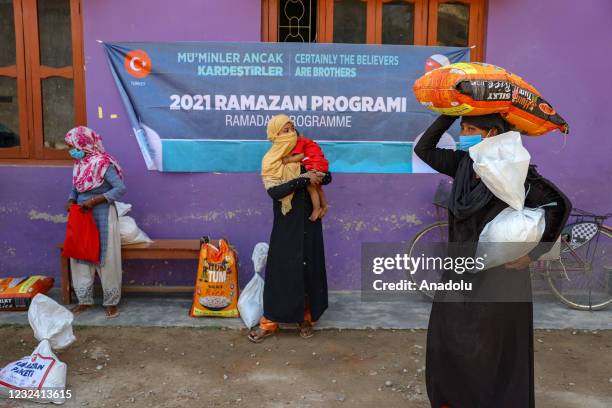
(111, 312)
(306, 330)
(77, 310)
(259, 334)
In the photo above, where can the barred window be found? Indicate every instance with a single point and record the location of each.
(410, 22)
(42, 91)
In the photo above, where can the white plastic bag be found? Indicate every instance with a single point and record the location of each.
(52, 325)
(128, 229)
(122, 208)
(250, 302)
(260, 256)
(130, 233)
(510, 235)
(502, 164)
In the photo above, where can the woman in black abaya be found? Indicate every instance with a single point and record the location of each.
(295, 282)
(480, 345)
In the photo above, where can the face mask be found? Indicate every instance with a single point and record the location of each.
(76, 154)
(467, 141)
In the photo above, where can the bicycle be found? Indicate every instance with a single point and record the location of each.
(571, 277)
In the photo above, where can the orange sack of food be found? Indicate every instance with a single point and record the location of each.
(17, 293)
(470, 89)
(216, 286)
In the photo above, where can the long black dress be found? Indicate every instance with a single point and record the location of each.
(480, 354)
(295, 271)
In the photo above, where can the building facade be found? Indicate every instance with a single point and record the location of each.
(53, 74)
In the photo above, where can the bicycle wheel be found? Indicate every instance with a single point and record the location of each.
(582, 277)
(424, 244)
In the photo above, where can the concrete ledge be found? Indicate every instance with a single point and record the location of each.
(346, 311)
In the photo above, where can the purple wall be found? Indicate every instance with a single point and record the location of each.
(558, 45)
(563, 48)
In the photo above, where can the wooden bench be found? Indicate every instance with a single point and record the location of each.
(161, 249)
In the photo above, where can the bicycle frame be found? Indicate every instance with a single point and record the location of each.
(580, 263)
(578, 234)
(544, 267)
(606, 230)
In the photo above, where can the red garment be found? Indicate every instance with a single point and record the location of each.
(313, 155)
(82, 236)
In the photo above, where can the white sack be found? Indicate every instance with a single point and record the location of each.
(130, 233)
(510, 235)
(122, 208)
(502, 164)
(52, 325)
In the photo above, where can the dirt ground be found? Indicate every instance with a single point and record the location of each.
(177, 367)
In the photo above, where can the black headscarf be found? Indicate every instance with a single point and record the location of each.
(487, 122)
(469, 194)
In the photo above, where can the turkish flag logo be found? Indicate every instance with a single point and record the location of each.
(138, 63)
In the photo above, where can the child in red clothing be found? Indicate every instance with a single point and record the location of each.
(310, 154)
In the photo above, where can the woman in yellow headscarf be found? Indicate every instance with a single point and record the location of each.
(295, 282)
(283, 136)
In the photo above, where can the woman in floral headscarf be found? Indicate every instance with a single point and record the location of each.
(96, 184)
